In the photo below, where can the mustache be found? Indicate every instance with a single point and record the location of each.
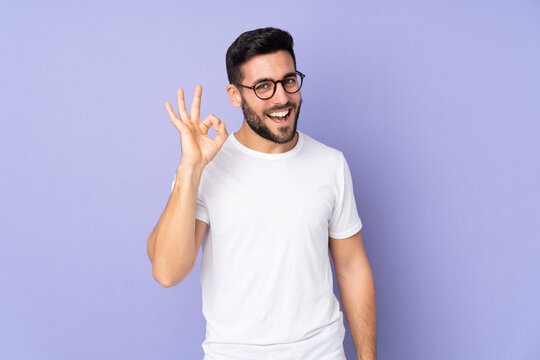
(281, 107)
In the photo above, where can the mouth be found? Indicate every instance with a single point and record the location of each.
(280, 117)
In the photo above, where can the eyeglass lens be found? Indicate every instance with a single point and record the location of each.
(265, 89)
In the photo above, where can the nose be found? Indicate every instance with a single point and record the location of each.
(280, 96)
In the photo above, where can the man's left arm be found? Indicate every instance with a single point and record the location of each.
(357, 290)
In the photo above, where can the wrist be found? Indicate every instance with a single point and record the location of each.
(190, 169)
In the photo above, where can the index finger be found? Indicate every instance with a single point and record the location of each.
(196, 104)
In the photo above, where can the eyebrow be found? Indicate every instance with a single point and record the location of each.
(266, 79)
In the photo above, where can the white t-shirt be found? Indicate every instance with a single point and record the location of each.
(267, 286)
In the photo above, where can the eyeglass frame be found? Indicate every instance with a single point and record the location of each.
(302, 76)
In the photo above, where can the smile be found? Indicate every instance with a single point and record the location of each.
(280, 117)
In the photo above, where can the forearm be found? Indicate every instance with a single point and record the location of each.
(357, 290)
(171, 246)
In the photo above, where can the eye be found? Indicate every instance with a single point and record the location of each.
(265, 85)
(290, 81)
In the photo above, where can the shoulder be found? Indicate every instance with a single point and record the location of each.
(324, 153)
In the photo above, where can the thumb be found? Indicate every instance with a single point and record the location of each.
(222, 135)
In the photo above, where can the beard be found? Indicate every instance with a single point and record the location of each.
(257, 124)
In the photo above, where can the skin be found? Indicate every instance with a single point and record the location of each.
(353, 271)
(198, 149)
(258, 132)
(175, 241)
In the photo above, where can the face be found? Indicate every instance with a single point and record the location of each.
(265, 117)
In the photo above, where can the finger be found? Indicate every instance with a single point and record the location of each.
(170, 111)
(221, 136)
(196, 105)
(213, 120)
(204, 127)
(206, 123)
(219, 126)
(182, 105)
(179, 125)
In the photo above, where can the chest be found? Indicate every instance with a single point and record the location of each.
(269, 197)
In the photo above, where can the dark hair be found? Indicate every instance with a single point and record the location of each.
(256, 42)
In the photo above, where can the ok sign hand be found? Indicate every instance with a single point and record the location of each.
(197, 147)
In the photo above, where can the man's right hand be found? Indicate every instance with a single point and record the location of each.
(197, 147)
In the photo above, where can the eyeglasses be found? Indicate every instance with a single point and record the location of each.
(265, 89)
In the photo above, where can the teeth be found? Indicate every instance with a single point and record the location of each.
(279, 114)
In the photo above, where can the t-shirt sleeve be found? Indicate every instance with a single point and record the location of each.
(201, 211)
(344, 221)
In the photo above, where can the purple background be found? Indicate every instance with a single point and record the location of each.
(435, 106)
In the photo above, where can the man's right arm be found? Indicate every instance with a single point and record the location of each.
(174, 243)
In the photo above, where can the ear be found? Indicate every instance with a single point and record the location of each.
(234, 95)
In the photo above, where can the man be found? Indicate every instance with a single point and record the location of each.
(273, 201)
